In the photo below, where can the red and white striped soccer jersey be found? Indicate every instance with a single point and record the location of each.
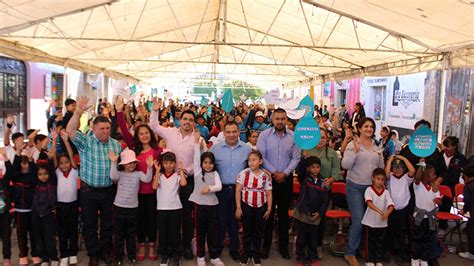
(254, 187)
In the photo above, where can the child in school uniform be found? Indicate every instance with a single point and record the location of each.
(125, 209)
(43, 212)
(67, 211)
(468, 173)
(311, 206)
(379, 207)
(253, 198)
(24, 178)
(427, 200)
(169, 207)
(400, 173)
(206, 183)
(5, 203)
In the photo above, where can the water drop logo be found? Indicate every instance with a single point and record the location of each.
(307, 105)
(307, 133)
(422, 142)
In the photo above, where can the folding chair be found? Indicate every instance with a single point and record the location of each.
(458, 192)
(445, 191)
(337, 245)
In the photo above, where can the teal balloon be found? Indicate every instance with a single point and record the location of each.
(422, 142)
(203, 101)
(227, 101)
(307, 104)
(307, 133)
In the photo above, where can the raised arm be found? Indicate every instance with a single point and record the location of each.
(119, 104)
(145, 178)
(73, 125)
(70, 152)
(8, 130)
(114, 173)
(388, 166)
(154, 119)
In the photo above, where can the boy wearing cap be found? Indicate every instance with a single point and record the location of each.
(400, 173)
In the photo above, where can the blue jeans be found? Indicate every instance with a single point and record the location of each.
(355, 202)
(227, 220)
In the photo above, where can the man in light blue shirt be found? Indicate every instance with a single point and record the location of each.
(231, 158)
(281, 156)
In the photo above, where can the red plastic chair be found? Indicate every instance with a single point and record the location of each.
(445, 191)
(338, 188)
(458, 191)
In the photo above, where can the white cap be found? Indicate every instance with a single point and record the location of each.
(259, 113)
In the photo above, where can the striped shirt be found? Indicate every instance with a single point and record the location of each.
(254, 187)
(95, 162)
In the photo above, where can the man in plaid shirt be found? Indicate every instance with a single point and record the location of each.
(97, 193)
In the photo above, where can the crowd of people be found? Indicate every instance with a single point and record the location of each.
(166, 181)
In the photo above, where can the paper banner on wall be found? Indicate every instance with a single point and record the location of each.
(307, 104)
(307, 133)
(422, 142)
(227, 101)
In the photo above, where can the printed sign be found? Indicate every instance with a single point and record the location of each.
(272, 96)
(307, 133)
(203, 101)
(422, 142)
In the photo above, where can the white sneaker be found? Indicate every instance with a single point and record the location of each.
(415, 262)
(64, 262)
(369, 264)
(466, 255)
(201, 261)
(73, 260)
(423, 263)
(44, 263)
(54, 263)
(378, 264)
(217, 262)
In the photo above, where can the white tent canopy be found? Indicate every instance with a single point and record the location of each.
(258, 41)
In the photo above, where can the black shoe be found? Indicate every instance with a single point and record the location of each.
(235, 255)
(264, 254)
(285, 254)
(386, 258)
(175, 262)
(257, 261)
(244, 261)
(93, 261)
(188, 254)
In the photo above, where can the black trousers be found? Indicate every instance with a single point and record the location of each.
(188, 210)
(253, 224)
(227, 222)
(67, 214)
(207, 225)
(45, 229)
(125, 230)
(6, 232)
(95, 204)
(23, 229)
(374, 240)
(146, 230)
(282, 199)
(169, 224)
(396, 237)
(470, 235)
(424, 241)
(306, 241)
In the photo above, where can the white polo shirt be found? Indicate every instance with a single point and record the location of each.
(167, 194)
(382, 200)
(424, 196)
(399, 189)
(67, 185)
